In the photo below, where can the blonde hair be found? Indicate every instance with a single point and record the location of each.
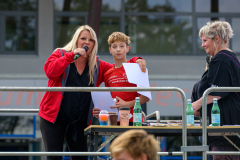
(221, 28)
(208, 59)
(135, 143)
(118, 36)
(72, 45)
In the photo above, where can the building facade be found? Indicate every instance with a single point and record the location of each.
(163, 32)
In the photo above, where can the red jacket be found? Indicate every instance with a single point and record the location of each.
(56, 69)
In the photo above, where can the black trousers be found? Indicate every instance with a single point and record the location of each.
(54, 135)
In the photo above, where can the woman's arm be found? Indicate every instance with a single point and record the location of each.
(56, 63)
(198, 104)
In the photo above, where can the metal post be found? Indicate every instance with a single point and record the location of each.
(184, 124)
(204, 124)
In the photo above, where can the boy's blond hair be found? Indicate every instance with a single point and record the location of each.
(118, 36)
(135, 143)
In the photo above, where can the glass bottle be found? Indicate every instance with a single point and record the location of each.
(190, 113)
(137, 113)
(215, 113)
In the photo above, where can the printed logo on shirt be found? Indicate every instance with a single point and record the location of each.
(116, 79)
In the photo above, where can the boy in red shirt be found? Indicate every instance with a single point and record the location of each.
(116, 76)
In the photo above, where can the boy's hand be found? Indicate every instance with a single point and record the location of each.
(96, 112)
(120, 103)
(142, 64)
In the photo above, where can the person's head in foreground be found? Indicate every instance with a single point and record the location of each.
(134, 145)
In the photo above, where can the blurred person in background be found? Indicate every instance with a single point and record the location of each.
(224, 71)
(65, 115)
(195, 94)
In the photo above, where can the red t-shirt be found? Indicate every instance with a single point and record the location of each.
(116, 77)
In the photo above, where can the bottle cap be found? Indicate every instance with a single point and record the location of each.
(215, 99)
(137, 97)
(124, 108)
(189, 100)
(104, 112)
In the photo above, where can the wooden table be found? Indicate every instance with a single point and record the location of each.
(95, 130)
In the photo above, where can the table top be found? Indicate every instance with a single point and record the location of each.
(164, 130)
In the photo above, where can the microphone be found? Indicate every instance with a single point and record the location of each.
(78, 55)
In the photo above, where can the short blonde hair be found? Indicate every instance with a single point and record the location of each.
(72, 45)
(221, 28)
(118, 36)
(135, 142)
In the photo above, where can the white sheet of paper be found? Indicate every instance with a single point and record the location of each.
(103, 100)
(136, 76)
(145, 93)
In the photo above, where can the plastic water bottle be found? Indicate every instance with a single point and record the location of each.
(190, 113)
(137, 113)
(215, 113)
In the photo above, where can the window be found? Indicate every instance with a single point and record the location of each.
(158, 6)
(159, 34)
(72, 5)
(236, 36)
(18, 27)
(222, 6)
(111, 6)
(108, 25)
(65, 28)
(156, 27)
(68, 16)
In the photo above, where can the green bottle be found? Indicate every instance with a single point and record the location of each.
(215, 113)
(137, 113)
(190, 113)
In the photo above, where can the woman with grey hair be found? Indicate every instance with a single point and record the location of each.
(223, 71)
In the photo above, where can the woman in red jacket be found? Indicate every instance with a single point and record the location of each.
(65, 115)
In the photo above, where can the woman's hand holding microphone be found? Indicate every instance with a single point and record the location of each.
(80, 52)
